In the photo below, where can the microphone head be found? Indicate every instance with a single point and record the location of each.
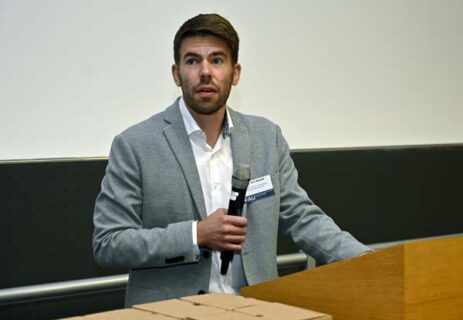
(241, 176)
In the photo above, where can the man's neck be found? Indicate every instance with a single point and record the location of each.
(210, 124)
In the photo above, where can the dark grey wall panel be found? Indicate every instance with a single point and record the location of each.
(46, 225)
(64, 306)
(387, 194)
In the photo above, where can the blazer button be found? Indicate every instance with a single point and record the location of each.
(201, 292)
(206, 254)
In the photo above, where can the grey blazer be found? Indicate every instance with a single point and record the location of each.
(151, 193)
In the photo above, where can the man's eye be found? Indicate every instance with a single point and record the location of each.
(190, 61)
(217, 61)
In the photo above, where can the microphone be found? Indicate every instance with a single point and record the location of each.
(240, 182)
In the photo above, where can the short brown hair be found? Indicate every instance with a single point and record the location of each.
(208, 25)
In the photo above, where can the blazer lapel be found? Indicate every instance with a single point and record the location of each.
(240, 141)
(179, 142)
(240, 144)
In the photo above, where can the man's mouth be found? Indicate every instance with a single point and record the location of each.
(206, 91)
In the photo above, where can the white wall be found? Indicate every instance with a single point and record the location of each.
(73, 73)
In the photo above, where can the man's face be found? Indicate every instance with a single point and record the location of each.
(205, 73)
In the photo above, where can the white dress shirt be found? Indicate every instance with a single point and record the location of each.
(215, 168)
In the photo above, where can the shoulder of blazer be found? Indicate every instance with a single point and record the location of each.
(253, 124)
(154, 124)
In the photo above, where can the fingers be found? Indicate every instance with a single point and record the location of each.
(230, 247)
(230, 237)
(230, 223)
(234, 239)
(236, 221)
(220, 231)
(232, 227)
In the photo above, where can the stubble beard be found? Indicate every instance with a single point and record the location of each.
(204, 106)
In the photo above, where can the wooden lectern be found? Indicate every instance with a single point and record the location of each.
(414, 280)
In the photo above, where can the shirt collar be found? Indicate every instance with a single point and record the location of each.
(191, 125)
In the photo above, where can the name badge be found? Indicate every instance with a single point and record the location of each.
(259, 188)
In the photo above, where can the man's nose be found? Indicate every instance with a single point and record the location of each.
(205, 71)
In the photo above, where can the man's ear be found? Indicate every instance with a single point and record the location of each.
(175, 75)
(236, 74)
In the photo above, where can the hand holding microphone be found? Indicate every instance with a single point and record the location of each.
(222, 232)
(227, 232)
(240, 182)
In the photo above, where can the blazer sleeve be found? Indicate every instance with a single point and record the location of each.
(119, 238)
(311, 229)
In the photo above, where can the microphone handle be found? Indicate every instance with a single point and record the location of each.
(235, 208)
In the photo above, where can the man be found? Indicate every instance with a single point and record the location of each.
(162, 207)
